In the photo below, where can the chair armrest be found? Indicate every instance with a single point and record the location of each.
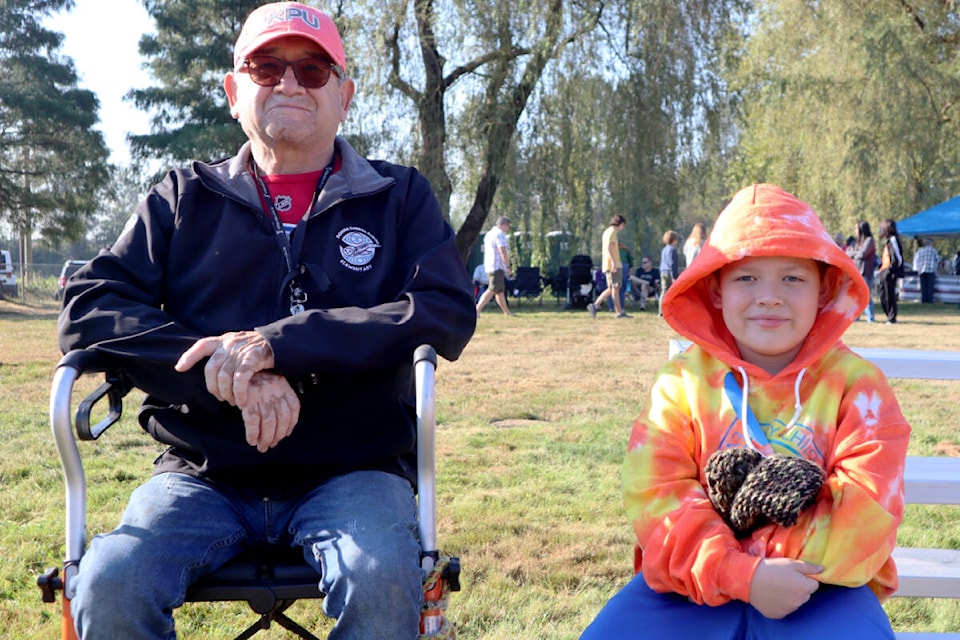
(70, 368)
(424, 367)
(115, 386)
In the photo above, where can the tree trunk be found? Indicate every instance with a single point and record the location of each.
(502, 118)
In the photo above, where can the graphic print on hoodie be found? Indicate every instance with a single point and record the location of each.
(828, 405)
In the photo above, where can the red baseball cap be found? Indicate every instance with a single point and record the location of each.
(281, 19)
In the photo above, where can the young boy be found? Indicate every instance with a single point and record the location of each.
(765, 303)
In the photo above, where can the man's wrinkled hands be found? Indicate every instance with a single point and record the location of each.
(234, 359)
(271, 410)
(237, 373)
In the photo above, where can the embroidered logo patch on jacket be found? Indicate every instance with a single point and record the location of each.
(358, 247)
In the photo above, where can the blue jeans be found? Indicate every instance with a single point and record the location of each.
(869, 309)
(360, 528)
(666, 279)
(832, 612)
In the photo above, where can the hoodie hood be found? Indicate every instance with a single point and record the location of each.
(764, 220)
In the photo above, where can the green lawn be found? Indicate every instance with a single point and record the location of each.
(533, 421)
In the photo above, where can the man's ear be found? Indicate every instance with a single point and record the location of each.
(230, 88)
(714, 289)
(346, 97)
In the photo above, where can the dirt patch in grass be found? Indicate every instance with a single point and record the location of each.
(950, 449)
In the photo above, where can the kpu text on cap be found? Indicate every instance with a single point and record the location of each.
(281, 19)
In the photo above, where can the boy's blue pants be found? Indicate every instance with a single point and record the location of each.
(832, 612)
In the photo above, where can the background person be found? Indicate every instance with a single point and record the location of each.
(626, 261)
(691, 247)
(496, 262)
(765, 304)
(612, 267)
(646, 281)
(926, 262)
(669, 263)
(850, 245)
(260, 301)
(480, 280)
(865, 257)
(891, 268)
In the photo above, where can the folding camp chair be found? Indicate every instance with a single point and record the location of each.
(269, 580)
(528, 284)
(558, 283)
(580, 287)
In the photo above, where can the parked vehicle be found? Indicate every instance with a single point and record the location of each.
(8, 280)
(69, 268)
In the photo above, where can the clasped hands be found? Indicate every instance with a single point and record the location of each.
(238, 372)
(749, 491)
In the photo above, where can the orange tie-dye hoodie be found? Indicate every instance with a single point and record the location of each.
(829, 406)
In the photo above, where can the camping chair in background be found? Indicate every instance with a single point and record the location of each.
(270, 580)
(528, 284)
(558, 283)
(580, 287)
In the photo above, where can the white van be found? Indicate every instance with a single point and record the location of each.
(8, 280)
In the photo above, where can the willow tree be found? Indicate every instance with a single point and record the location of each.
(852, 104)
(471, 66)
(630, 120)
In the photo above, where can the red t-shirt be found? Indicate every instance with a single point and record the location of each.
(293, 194)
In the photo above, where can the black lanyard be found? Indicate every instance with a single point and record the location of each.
(297, 295)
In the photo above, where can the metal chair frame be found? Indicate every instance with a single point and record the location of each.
(270, 580)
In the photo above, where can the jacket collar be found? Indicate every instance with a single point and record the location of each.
(357, 177)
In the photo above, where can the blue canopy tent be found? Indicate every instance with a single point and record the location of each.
(942, 220)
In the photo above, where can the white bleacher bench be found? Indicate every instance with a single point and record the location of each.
(923, 573)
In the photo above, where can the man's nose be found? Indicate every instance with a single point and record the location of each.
(288, 81)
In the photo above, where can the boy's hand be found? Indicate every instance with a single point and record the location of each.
(780, 586)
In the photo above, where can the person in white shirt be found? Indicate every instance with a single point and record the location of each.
(480, 281)
(496, 262)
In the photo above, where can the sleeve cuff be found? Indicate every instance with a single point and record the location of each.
(736, 574)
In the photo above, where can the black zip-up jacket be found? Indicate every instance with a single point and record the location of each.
(200, 258)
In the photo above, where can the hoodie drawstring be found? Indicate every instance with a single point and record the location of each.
(746, 417)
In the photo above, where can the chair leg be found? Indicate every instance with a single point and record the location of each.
(277, 615)
(284, 621)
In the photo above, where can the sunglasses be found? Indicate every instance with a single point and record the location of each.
(312, 73)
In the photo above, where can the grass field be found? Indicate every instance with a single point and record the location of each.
(533, 422)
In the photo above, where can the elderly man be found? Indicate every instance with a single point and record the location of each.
(269, 304)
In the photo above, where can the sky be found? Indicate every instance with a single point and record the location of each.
(108, 63)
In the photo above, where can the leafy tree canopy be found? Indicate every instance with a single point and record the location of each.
(52, 161)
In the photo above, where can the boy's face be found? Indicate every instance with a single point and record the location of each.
(769, 304)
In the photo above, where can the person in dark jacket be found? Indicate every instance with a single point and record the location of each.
(865, 256)
(269, 306)
(891, 268)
